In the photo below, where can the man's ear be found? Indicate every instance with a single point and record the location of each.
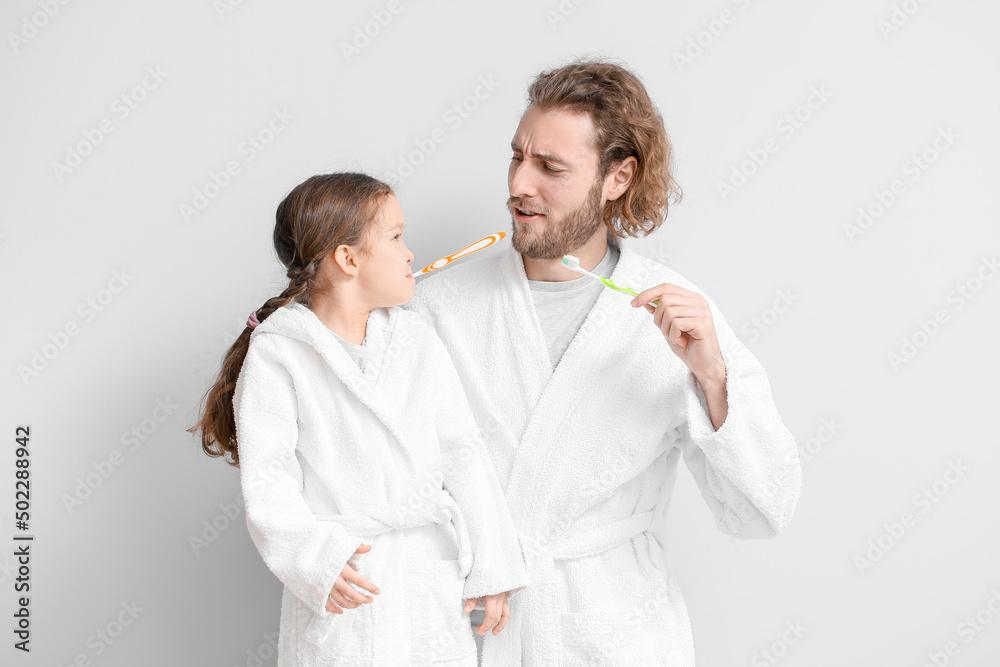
(620, 178)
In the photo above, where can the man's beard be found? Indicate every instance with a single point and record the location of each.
(560, 236)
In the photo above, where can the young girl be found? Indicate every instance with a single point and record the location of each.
(361, 463)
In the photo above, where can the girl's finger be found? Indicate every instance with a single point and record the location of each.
(504, 617)
(351, 592)
(359, 581)
(491, 617)
(330, 606)
(344, 601)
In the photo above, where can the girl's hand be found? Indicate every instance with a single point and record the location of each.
(497, 610)
(346, 596)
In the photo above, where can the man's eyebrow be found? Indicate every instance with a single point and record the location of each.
(548, 157)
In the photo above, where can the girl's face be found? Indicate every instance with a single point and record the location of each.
(385, 279)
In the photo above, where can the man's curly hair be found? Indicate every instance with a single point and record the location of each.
(627, 124)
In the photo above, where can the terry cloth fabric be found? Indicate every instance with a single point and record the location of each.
(333, 457)
(587, 451)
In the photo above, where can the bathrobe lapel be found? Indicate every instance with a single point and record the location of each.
(372, 386)
(611, 320)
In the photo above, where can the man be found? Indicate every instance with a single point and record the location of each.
(586, 401)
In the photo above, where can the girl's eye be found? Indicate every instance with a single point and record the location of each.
(397, 236)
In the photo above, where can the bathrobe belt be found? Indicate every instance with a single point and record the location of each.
(440, 510)
(542, 597)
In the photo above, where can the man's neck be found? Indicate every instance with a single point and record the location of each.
(551, 270)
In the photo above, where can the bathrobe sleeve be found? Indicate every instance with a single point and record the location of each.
(470, 478)
(748, 470)
(305, 554)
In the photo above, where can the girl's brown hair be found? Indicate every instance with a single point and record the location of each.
(314, 219)
(627, 124)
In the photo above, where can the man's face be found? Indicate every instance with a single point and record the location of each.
(556, 198)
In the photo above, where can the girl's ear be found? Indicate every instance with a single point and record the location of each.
(343, 258)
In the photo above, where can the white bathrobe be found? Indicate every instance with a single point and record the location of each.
(588, 454)
(332, 457)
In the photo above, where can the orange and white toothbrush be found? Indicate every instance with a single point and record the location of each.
(468, 250)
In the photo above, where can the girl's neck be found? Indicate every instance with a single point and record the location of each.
(347, 320)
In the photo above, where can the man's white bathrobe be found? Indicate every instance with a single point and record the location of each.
(588, 454)
(332, 457)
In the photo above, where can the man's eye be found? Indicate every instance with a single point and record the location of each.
(515, 158)
(551, 170)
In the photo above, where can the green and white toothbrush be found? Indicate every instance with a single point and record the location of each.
(573, 264)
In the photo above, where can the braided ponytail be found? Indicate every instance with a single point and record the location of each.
(316, 217)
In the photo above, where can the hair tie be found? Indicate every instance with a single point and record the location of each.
(252, 322)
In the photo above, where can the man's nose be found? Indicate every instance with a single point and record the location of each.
(522, 182)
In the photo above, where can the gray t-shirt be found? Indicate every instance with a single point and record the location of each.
(563, 306)
(357, 352)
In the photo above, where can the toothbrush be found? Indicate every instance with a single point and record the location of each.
(467, 250)
(573, 264)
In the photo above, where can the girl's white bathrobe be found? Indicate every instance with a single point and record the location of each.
(588, 454)
(332, 457)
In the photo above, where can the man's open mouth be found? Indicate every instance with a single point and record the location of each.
(527, 213)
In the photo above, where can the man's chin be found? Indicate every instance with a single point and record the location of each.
(532, 250)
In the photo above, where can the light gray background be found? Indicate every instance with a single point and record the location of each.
(193, 284)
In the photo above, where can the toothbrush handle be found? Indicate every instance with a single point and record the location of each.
(610, 284)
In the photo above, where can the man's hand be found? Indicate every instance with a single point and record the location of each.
(686, 322)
